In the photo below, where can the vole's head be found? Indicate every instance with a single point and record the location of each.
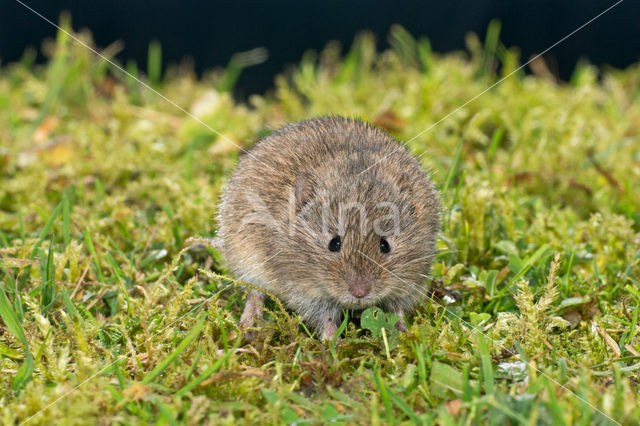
(362, 239)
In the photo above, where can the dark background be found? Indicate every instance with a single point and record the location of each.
(210, 32)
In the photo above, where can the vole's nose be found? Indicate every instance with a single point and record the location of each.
(359, 286)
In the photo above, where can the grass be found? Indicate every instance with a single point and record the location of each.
(109, 317)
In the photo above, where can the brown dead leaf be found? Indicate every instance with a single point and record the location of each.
(632, 349)
(137, 391)
(609, 340)
(44, 129)
(20, 263)
(536, 356)
(573, 317)
(226, 375)
(540, 68)
(453, 407)
(143, 357)
(503, 273)
(454, 356)
(107, 87)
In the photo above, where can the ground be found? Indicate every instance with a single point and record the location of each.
(107, 315)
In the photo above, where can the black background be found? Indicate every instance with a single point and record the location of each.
(210, 32)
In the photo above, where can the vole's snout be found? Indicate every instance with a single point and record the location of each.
(359, 285)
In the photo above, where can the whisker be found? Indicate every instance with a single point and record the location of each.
(473, 328)
(432, 255)
(419, 259)
(447, 252)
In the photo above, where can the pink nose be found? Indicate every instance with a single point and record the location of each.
(359, 287)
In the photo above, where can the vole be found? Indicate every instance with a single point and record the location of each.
(330, 214)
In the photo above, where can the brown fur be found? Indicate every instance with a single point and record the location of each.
(273, 235)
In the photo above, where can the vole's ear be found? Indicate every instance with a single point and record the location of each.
(303, 188)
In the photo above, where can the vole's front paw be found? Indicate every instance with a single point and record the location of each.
(401, 326)
(252, 312)
(249, 335)
(329, 329)
(247, 325)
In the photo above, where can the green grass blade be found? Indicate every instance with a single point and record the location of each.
(341, 329)
(154, 62)
(485, 367)
(119, 273)
(496, 138)
(555, 410)
(165, 413)
(529, 262)
(194, 363)
(403, 406)
(48, 290)
(195, 332)
(43, 234)
(94, 255)
(491, 45)
(11, 319)
(384, 395)
(425, 54)
(70, 306)
(454, 166)
(4, 241)
(9, 353)
(453, 170)
(42, 346)
(526, 265)
(66, 220)
(405, 46)
(24, 373)
(349, 66)
(211, 370)
(445, 380)
(45, 231)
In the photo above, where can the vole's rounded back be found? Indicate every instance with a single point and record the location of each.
(330, 214)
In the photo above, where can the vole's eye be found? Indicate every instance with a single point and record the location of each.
(335, 244)
(384, 245)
